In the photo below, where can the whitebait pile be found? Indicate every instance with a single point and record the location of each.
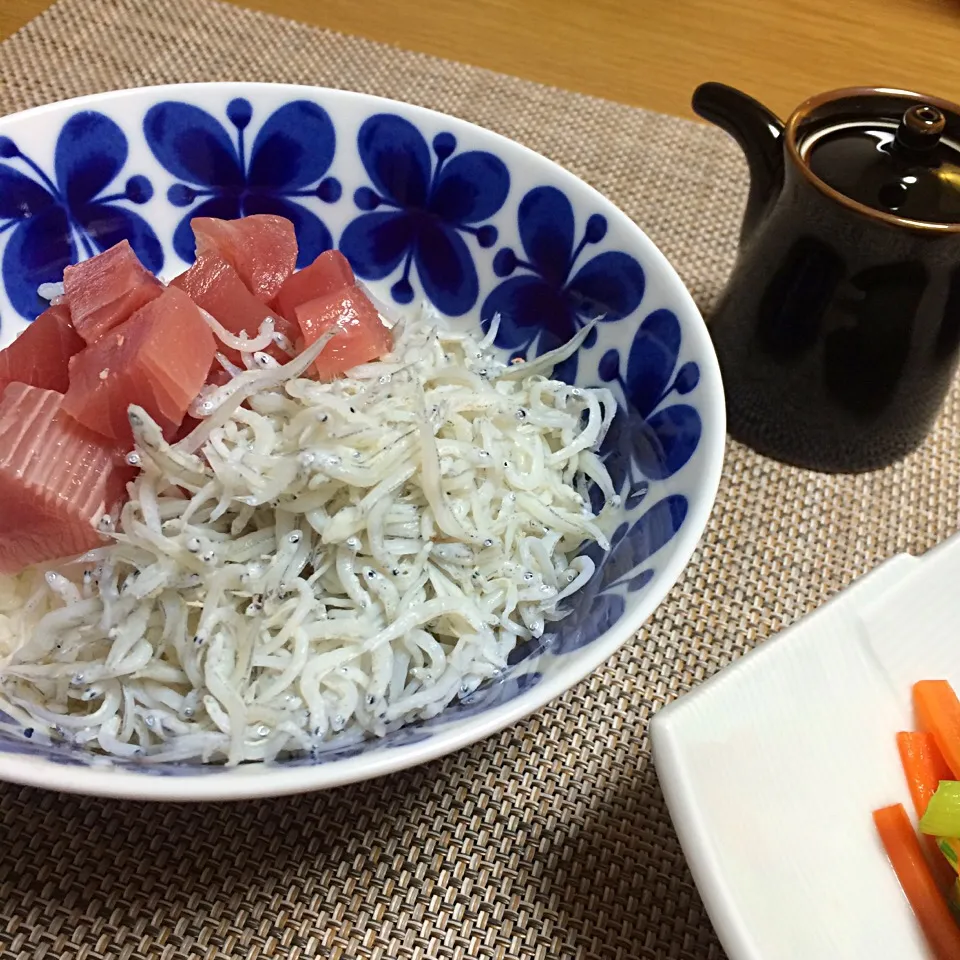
(316, 561)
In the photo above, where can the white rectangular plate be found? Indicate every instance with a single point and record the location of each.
(771, 769)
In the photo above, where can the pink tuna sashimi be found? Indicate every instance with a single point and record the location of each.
(362, 338)
(262, 248)
(57, 479)
(327, 274)
(41, 353)
(213, 284)
(159, 360)
(108, 289)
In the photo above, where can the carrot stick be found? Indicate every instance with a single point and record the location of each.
(943, 862)
(943, 870)
(930, 908)
(938, 711)
(923, 765)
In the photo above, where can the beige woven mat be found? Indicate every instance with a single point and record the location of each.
(552, 840)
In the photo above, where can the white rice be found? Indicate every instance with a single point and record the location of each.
(330, 560)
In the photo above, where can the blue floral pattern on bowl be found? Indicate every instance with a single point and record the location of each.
(650, 440)
(489, 695)
(286, 165)
(54, 221)
(426, 208)
(550, 298)
(622, 570)
(504, 689)
(418, 211)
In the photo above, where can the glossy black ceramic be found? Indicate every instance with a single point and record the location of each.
(837, 334)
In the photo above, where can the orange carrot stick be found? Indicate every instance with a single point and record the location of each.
(923, 765)
(940, 867)
(930, 908)
(938, 711)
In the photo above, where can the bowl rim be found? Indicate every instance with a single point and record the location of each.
(248, 781)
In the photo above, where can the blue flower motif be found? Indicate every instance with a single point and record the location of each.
(328, 753)
(649, 440)
(292, 151)
(485, 697)
(552, 298)
(186, 768)
(55, 221)
(417, 211)
(31, 745)
(600, 603)
(492, 693)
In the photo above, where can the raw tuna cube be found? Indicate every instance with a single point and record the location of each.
(214, 285)
(363, 337)
(108, 289)
(159, 359)
(327, 274)
(39, 356)
(57, 479)
(262, 248)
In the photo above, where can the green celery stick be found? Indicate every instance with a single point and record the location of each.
(942, 818)
(948, 848)
(953, 899)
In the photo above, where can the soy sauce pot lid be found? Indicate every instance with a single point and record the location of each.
(894, 154)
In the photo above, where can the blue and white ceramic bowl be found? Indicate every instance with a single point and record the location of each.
(424, 206)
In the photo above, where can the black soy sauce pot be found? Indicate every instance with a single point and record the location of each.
(837, 332)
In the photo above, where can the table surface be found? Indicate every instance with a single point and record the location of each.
(650, 53)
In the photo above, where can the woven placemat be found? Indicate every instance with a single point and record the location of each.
(551, 840)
